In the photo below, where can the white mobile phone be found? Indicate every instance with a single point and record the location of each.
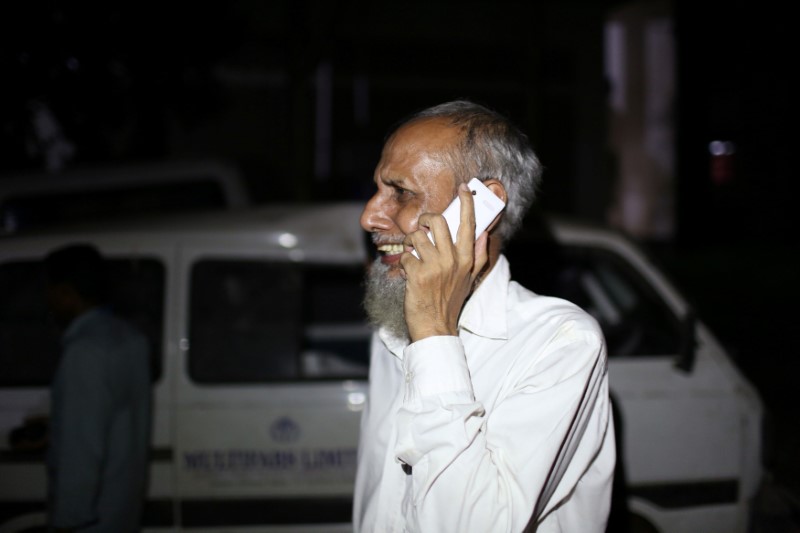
(487, 207)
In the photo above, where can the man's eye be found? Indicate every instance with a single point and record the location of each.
(402, 193)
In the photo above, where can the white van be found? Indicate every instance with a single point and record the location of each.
(261, 355)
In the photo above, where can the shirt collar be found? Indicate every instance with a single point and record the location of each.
(485, 312)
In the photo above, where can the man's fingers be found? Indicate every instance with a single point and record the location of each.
(419, 241)
(437, 225)
(438, 228)
(466, 227)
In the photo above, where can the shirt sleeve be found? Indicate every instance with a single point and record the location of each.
(83, 403)
(471, 472)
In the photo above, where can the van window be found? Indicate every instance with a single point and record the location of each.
(259, 321)
(634, 319)
(29, 340)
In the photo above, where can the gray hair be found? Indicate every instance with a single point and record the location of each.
(490, 147)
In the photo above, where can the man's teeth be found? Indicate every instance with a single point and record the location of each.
(391, 249)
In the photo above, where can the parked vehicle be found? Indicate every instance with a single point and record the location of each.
(37, 200)
(261, 352)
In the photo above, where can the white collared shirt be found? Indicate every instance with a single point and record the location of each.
(462, 433)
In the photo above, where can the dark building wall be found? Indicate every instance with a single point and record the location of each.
(733, 66)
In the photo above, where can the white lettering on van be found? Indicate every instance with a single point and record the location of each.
(234, 460)
(322, 459)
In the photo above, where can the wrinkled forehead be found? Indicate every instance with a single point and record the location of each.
(426, 138)
(432, 135)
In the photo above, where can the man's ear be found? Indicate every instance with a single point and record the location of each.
(499, 190)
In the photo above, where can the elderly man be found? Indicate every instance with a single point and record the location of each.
(488, 406)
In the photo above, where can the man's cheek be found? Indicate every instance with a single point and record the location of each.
(408, 221)
(413, 215)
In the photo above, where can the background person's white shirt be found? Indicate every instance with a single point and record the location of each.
(461, 433)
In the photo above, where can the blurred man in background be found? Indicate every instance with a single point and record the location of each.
(100, 414)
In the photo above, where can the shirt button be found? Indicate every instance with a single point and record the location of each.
(409, 377)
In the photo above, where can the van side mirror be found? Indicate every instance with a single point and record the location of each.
(686, 356)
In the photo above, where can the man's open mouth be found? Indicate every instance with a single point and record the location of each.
(391, 249)
(390, 253)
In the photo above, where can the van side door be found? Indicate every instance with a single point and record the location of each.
(269, 391)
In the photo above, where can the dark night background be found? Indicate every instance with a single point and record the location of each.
(141, 81)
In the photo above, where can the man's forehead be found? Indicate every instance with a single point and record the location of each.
(435, 133)
(426, 138)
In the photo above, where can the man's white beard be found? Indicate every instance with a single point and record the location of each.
(384, 300)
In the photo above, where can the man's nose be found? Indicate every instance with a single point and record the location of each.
(375, 216)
